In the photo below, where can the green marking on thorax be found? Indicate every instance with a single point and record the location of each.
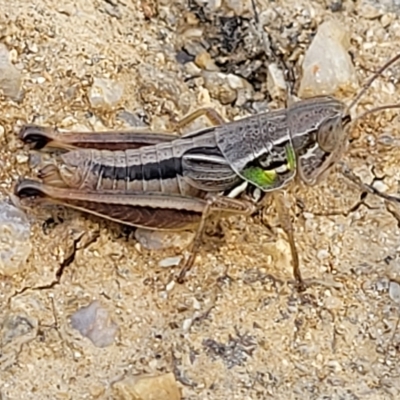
(260, 177)
(267, 178)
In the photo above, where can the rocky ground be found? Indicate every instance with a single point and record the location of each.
(91, 308)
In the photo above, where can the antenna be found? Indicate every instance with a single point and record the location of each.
(372, 79)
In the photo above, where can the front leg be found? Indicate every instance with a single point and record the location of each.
(287, 226)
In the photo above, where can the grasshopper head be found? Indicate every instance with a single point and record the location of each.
(320, 146)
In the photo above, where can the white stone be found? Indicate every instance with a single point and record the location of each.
(394, 291)
(15, 245)
(10, 77)
(105, 93)
(327, 66)
(170, 262)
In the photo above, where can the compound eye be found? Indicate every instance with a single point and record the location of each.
(329, 134)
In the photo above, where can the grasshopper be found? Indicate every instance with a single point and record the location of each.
(162, 181)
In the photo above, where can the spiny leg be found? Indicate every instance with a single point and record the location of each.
(212, 115)
(40, 137)
(188, 264)
(287, 226)
(223, 204)
(150, 210)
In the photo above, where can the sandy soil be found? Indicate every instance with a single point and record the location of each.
(237, 329)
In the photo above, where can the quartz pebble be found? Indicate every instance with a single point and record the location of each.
(276, 80)
(94, 322)
(394, 291)
(15, 245)
(380, 185)
(170, 262)
(105, 93)
(10, 77)
(327, 66)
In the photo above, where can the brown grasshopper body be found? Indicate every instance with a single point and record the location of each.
(170, 182)
(210, 160)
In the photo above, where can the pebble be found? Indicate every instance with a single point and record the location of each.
(170, 286)
(170, 262)
(40, 80)
(95, 323)
(192, 33)
(33, 48)
(147, 387)
(322, 254)
(371, 12)
(394, 291)
(276, 80)
(327, 66)
(333, 303)
(22, 158)
(187, 323)
(204, 61)
(239, 7)
(335, 5)
(213, 5)
(219, 88)
(105, 93)
(364, 172)
(308, 215)
(235, 82)
(192, 69)
(244, 91)
(386, 20)
(380, 185)
(18, 327)
(10, 77)
(15, 245)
